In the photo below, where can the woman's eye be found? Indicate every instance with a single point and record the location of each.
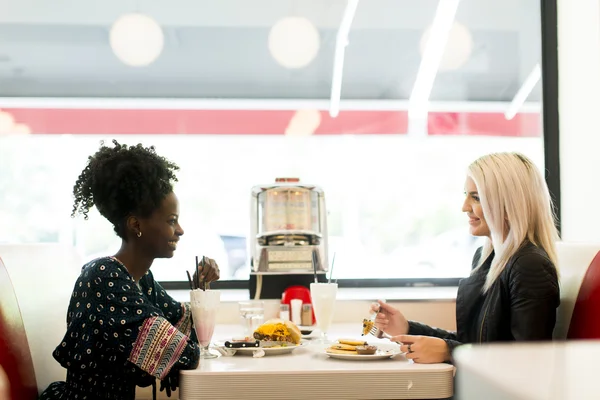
(172, 221)
(476, 198)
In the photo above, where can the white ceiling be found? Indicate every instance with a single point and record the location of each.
(218, 48)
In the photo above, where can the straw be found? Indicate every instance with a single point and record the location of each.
(204, 283)
(190, 280)
(314, 263)
(197, 279)
(331, 272)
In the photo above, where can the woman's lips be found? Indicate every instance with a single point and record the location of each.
(173, 244)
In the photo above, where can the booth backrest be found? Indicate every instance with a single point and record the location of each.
(15, 357)
(585, 322)
(43, 277)
(573, 262)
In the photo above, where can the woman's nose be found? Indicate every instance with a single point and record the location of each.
(466, 206)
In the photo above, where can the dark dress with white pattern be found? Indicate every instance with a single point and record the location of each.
(120, 335)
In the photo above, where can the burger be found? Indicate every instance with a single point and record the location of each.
(278, 331)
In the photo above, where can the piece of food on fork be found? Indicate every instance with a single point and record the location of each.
(368, 323)
(367, 326)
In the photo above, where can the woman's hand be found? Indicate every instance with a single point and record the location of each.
(170, 383)
(208, 273)
(389, 319)
(423, 349)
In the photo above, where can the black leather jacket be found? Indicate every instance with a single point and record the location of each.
(520, 305)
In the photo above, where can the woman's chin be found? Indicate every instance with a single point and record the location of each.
(166, 254)
(474, 231)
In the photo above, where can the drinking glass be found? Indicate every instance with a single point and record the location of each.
(252, 315)
(204, 304)
(323, 301)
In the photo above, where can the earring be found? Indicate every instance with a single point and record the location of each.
(139, 234)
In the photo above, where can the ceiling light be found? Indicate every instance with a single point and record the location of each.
(341, 42)
(136, 39)
(430, 63)
(532, 79)
(303, 123)
(294, 42)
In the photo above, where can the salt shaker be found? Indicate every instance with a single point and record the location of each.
(284, 312)
(296, 311)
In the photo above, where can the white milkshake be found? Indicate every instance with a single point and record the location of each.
(323, 297)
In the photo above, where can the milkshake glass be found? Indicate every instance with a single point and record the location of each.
(323, 301)
(204, 305)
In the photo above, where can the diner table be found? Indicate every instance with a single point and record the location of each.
(308, 372)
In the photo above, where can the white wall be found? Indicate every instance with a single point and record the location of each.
(579, 111)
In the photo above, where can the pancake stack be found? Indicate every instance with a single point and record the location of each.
(351, 347)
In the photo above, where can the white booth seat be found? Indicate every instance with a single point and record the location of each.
(573, 262)
(43, 276)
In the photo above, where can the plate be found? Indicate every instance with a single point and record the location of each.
(379, 355)
(269, 351)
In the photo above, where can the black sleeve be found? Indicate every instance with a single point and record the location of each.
(534, 297)
(417, 328)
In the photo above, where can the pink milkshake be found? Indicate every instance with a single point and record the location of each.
(204, 322)
(204, 305)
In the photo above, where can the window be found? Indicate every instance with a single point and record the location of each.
(393, 183)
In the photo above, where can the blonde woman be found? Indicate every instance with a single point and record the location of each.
(513, 292)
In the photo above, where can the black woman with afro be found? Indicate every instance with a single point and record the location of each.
(123, 329)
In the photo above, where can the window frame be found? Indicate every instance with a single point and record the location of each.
(550, 134)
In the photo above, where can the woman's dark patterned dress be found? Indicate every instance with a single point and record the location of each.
(120, 335)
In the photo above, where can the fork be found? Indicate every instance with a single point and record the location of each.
(378, 333)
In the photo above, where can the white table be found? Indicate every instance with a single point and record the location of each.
(308, 373)
(529, 371)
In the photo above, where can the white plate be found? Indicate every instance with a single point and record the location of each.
(269, 351)
(379, 355)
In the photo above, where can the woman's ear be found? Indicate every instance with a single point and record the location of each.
(133, 225)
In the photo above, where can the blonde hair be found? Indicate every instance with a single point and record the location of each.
(516, 205)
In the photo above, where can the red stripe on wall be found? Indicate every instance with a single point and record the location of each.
(264, 122)
(484, 124)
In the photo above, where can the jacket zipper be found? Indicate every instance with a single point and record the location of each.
(482, 322)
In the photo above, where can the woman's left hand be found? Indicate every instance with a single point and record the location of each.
(423, 349)
(210, 271)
